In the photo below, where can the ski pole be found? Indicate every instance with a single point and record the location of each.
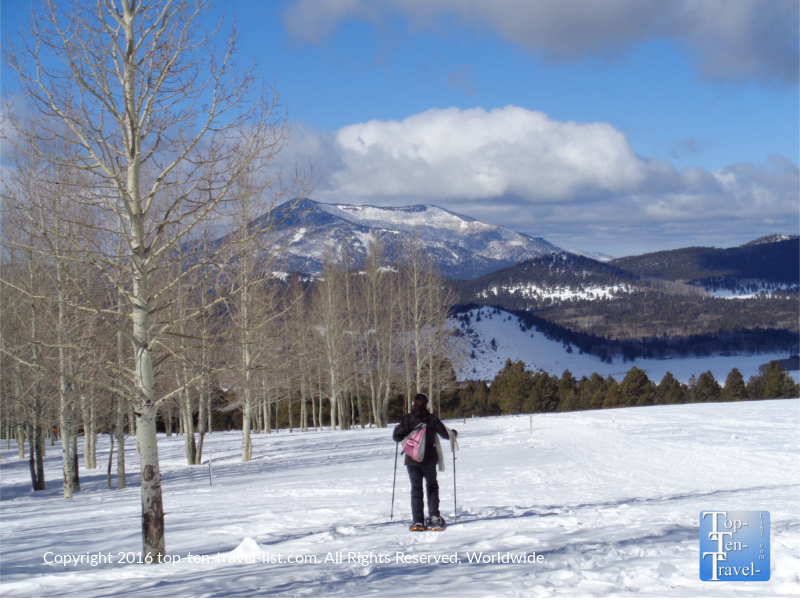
(455, 500)
(396, 446)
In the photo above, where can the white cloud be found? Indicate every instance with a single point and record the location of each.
(731, 41)
(562, 180)
(479, 154)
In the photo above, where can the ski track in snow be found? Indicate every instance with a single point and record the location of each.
(614, 512)
(539, 353)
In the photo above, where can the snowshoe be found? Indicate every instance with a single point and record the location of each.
(435, 524)
(417, 527)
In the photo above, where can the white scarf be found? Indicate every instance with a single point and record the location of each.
(453, 446)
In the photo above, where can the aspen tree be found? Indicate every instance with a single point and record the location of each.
(330, 313)
(139, 84)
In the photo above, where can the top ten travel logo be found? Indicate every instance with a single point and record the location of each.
(734, 545)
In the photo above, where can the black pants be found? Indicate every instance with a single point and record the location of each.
(416, 474)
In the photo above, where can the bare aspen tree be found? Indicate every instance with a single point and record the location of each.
(39, 191)
(330, 313)
(298, 338)
(22, 299)
(378, 314)
(138, 85)
(252, 305)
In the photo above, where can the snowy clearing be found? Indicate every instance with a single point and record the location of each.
(539, 353)
(613, 512)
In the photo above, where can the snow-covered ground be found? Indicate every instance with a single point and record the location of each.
(539, 353)
(611, 511)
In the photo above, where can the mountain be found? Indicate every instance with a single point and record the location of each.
(462, 247)
(763, 265)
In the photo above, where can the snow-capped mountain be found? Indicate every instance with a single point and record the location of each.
(462, 247)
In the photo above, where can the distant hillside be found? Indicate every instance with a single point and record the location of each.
(555, 278)
(773, 259)
(554, 275)
(606, 300)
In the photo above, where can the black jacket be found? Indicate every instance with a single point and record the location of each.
(408, 423)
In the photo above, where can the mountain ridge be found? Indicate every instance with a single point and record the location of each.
(460, 246)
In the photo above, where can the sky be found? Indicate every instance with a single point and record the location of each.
(622, 127)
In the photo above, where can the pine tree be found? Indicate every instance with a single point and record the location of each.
(636, 389)
(543, 396)
(735, 388)
(775, 382)
(671, 391)
(707, 388)
(755, 387)
(567, 392)
(510, 387)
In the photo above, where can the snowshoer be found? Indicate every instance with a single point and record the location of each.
(426, 467)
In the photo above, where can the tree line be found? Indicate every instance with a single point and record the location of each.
(516, 389)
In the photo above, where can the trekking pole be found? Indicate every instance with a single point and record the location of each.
(396, 446)
(455, 500)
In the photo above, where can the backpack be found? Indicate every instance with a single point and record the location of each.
(414, 443)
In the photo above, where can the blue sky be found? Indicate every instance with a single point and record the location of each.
(622, 127)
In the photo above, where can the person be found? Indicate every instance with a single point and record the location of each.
(426, 469)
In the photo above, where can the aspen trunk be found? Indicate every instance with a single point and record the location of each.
(110, 454)
(39, 445)
(313, 411)
(289, 403)
(247, 362)
(210, 428)
(360, 409)
(153, 541)
(132, 425)
(319, 380)
(76, 483)
(66, 455)
(93, 433)
(303, 415)
(87, 438)
(32, 464)
(267, 411)
(121, 480)
(21, 441)
(246, 416)
(201, 424)
(199, 451)
(186, 414)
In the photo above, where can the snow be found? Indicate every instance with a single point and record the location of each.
(531, 290)
(539, 353)
(404, 218)
(598, 256)
(611, 511)
(298, 235)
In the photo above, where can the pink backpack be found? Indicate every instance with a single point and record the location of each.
(414, 444)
